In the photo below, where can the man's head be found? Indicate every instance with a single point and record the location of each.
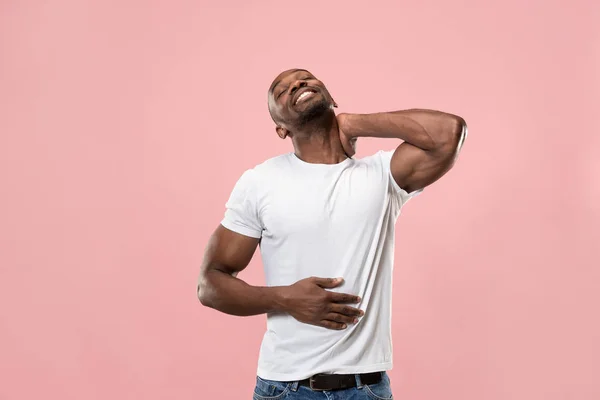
(297, 98)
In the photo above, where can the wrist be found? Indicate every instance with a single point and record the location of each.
(278, 298)
(350, 124)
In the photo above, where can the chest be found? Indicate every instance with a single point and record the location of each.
(309, 206)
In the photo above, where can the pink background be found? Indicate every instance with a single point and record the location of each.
(124, 126)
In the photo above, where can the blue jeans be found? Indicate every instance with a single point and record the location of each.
(275, 390)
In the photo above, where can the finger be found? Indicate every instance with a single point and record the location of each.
(333, 325)
(344, 319)
(344, 298)
(346, 310)
(328, 283)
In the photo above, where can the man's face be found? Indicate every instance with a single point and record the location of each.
(297, 97)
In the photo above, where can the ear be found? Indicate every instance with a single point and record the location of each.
(282, 132)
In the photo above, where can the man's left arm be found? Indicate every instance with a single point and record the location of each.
(432, 141)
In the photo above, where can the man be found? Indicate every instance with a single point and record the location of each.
(325, 225)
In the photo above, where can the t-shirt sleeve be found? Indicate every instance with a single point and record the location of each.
(404, 196)
(241, 214)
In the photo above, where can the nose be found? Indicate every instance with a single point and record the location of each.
(297, 85)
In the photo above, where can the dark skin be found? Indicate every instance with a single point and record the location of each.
(303, 110)
(316, 140)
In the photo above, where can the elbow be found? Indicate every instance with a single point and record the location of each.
(203, 292)
(458, 129)
(456, 133)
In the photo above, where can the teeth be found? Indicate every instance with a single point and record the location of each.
(303, 95)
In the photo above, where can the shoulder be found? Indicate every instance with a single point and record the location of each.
(381, 158)
(273, 163)
(270, 168)
(265, 171)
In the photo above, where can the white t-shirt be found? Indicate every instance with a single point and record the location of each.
(327, 221)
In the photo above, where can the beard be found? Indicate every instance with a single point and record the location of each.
(314, 112)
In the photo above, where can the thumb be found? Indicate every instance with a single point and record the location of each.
(328, 283)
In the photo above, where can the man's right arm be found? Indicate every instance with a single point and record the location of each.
(307, 300)
(228, 253)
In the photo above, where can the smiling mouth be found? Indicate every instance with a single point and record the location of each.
(303, 96)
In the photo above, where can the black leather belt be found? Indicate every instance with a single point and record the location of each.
(322, 382)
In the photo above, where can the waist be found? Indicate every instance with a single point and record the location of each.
(291, 367)
(322, 382)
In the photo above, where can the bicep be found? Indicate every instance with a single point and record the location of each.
(414, 168)
(228, 251)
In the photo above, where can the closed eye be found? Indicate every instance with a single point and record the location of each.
(302, 79)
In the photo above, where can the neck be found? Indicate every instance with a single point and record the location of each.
(319, 142)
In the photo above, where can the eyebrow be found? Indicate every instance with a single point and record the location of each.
(279, 80)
